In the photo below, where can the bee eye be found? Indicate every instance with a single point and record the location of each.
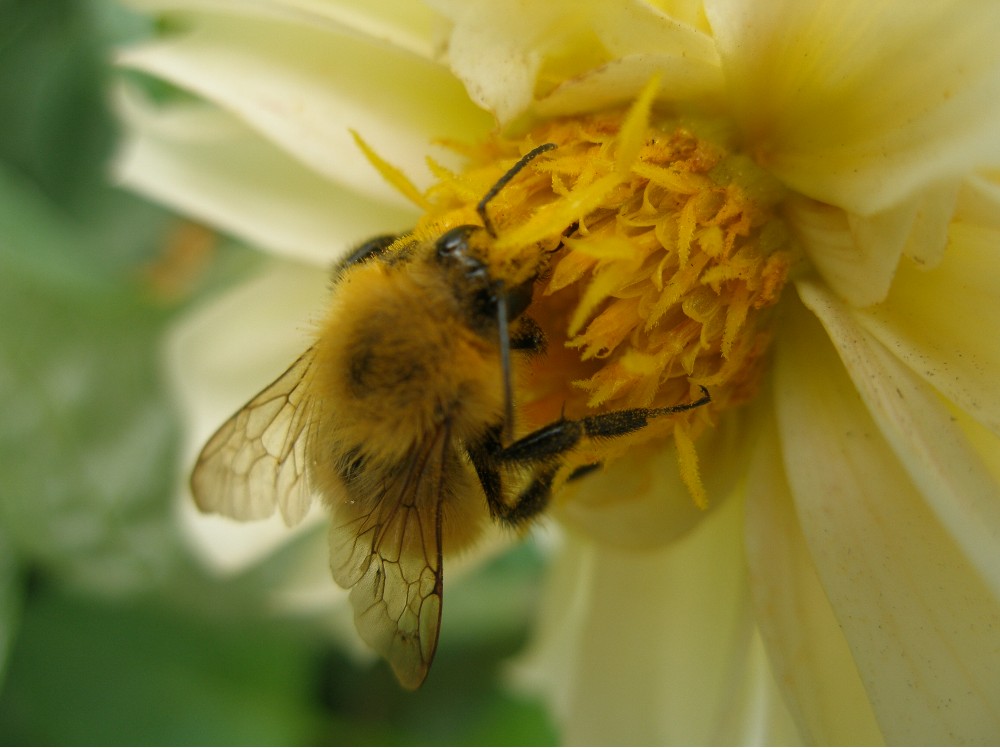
(454, 243)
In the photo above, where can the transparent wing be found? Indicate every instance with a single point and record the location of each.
(256, 461)
(385, 545)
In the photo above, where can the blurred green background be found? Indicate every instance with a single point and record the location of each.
(110, 631)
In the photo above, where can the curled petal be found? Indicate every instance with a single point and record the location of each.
(928, 216)
(942, 322)
(915, 608)
(681, 79)
(860, 104)
(510, 54)
(858, 255)
(859, 271)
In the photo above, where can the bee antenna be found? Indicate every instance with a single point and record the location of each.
(502, 182)
(508, 380)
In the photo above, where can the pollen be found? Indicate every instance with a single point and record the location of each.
(659, 254)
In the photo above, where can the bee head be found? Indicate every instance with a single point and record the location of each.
(456, 250)
(481, 294)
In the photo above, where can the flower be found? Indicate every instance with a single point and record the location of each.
(844, 584)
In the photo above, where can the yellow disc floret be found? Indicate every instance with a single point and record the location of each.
(657, 253)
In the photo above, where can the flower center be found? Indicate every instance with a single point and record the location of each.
(657, 255)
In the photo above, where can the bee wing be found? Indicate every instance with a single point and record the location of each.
(387, 549)
(257, 460)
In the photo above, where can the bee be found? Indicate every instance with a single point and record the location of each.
(399, 418)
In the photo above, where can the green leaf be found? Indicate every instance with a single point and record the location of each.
(87, 438)
(497, 601)
(56, 130)
(87, 672)
(10, 600)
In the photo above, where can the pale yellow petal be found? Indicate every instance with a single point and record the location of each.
(921, 431)
(859, 271)
(943, 323)
(932, 210)
(811, 659)
(860, 104)
(691, 12)
(858, 255)
(305, 88)
(402, 23)
(204, 163)
(656, 648)
(619, 81)
(984, 441)
(919, 619)
(979, 201)
(509, 54)
(217, 358)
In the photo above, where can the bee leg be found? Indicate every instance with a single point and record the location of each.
(554, 440)
(538, 451)
(482, 456)
(543, 450)
(529, 503)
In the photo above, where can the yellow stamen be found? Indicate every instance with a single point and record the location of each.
(687, 460)
(634, 129)
(391, 174)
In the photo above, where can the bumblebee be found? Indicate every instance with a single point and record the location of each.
(399, 418)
